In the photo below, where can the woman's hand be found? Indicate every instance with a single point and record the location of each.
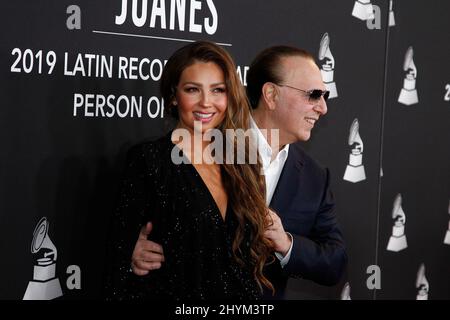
(147, 255)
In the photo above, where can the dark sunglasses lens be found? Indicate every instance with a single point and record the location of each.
(316, 94)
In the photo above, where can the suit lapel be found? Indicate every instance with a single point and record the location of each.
(285, 190)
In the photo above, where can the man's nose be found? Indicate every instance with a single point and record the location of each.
(322, 106)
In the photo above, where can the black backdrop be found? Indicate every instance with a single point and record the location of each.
(66, 167)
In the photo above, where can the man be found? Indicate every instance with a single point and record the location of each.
(287, 93)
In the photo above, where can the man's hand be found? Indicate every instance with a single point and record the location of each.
(276, 233)
(147, 255)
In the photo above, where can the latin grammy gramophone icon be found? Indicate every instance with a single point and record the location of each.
(391, 14)
(363, 10)
(397, 241)
(408, 94)
(45, 285)
(345, 293)
(422, 284)
(447, 235)
(327, 69)
(355, 169)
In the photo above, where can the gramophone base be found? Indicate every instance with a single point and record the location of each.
(363, 11)
(397, 244)
(354, 174)
(331, 86)
(422, 297)
(43, 290)
(44, 273)
(447, 237)
(408, 97)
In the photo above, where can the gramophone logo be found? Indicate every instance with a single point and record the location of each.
(447, 235)
(355, 169)
(45, 285)
(345, 294)
(408, 95)
(397, 241)
(363, 10)
(391, 14)
(327, 69)
(422, 284)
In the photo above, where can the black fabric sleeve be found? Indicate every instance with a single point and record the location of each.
(320, 257)
(128, 218)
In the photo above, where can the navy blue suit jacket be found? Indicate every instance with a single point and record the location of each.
(305, 204)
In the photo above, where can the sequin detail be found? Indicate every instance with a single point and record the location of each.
(197, 242)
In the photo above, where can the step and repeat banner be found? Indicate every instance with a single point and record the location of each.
(79, 86)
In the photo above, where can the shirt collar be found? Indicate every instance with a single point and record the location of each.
(265, 151)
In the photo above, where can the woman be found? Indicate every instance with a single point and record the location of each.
(209, 218)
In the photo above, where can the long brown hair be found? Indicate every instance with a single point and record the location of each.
(243, 183)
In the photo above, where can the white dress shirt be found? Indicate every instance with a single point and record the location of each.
(272, 171)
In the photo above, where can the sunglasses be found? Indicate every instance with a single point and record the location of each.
(313, 95)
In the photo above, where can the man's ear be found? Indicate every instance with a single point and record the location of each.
(270, 95)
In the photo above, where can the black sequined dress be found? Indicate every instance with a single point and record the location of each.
(196, 240)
